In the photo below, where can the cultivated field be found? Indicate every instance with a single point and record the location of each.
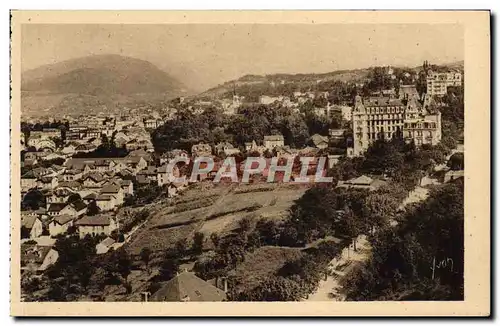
(209, 208)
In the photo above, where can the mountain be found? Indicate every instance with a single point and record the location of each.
(102, 80)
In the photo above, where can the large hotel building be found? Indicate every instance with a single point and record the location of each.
(385, 117)
(438, 83)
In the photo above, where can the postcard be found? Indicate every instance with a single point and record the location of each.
(250, 163)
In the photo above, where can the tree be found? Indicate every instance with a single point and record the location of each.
(120, 265)
(25, 232)
(33, 200)
(215, 238)
(274, 288)
(351, 226)
(245, 224)
(403, 261)
(456, 161)
(198, 240)
(181, 247)
(169, 268)
(74, 197)
(92, 208)
(146, 257)
(380, 208)
(56, 292)
(268, 231)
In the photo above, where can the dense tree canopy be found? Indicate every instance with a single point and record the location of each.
(422, 258)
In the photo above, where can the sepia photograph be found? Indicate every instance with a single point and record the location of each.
(207, 157)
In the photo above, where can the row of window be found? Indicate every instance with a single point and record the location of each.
(385, 117)
(386, 128)
(382, 110)
(384, 122)
(425, 125)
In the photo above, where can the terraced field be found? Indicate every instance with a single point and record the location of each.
(209, 208)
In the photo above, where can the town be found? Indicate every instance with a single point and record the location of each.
(117, 205)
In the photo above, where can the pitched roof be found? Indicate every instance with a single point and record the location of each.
(382, 101)
(94, 220)
(105, 197)
(56, 207)
(70, 184)
(63, 219)
(90, 196)
(125, 182)
(46, 179)
(318, 139)
(188, 287)
(28, 221)
(362, 180)
(29, 175)
(79, 205)
(107, 242)
(96, 176)
(110, 188)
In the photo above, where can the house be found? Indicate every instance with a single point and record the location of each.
(60, 224)
(106, 202)
(33, 225)
(47, 183)
(141, 153)
(127, 187)
(407, 91)
(104, 246)
(34, 155)
(115, 190)
(336, 134)
(93, 180)
(102, 165)
(362, 182)
(174, 188)
(72, 175)
(152, 123)
(167, 157)
(186, 286)
(73, 186)
(37, 258)
(150, 173)
(28, 181)
(226, 148)
(58, 196)
(273, 141)
(319, 141)
(164, 176)
(55, 209)
(77, 208)
(201, 149)
(251, 146)
(95, 225)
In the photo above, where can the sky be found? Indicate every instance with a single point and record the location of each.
(205, 55)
